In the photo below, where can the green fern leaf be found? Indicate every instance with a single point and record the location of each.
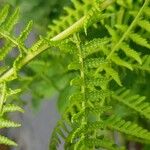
(4, 13)
(147, 11)
(8, 124)
(133, 101)
(145, 67)
(94, 46)
(128, 128)
(121, 62)
(57, 133)
(11, 108)
(11, 21)
(100, 81)
(95, 62)
(113, 33)
(144, 24)
(138, 39)
(104, 143)
(73, 14)
(131, 53)
(24, 34)
(4, 140)
(111, 72)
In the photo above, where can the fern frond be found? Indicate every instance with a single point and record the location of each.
(94, 46)
(24, 34)
(131, 53)
(8, 124)
(11, 21)
(58, 133)
(11, 108)
(126, 48)
(128, 32)
(138, 39)
(145, 67)
(11, 41)
(5, 108)
(104, 143)
(94, 63)
(99, 81)
(121, 62)
(4, 140)
(146, 11)
(144, 24)
(95, 14)
(4, 13)
(25, 55)
(80, 23)
(133, 101)
(112, 32)
(72, 15)
(111, 72)
(135, 37)
(128, 128)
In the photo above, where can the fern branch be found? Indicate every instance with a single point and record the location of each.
(79, 24)
(14, 41)
(82, 75)
(134, 102)
(128, 128)
(32, 54)
(45, 46)
(128, 30)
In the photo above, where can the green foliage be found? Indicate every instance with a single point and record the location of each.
(133, 101)
(98, 48)
(10, 72)
(72, 15)
(96, 63)
(45, 11)
(6, 108)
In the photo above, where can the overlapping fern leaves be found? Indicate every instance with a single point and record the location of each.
(6, 108)
(105, 40)
(79, 9)
(10, 71)
(7, 23)
(96, 62)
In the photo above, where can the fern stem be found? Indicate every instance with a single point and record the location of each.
(33, 54)
(72, 29)
(82, 75)
(79, 24)
(3, 97)
(24, 61)
(6, 75)
(129, 29)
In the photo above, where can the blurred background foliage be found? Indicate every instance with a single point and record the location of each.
(42, 12)
(43, 69)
